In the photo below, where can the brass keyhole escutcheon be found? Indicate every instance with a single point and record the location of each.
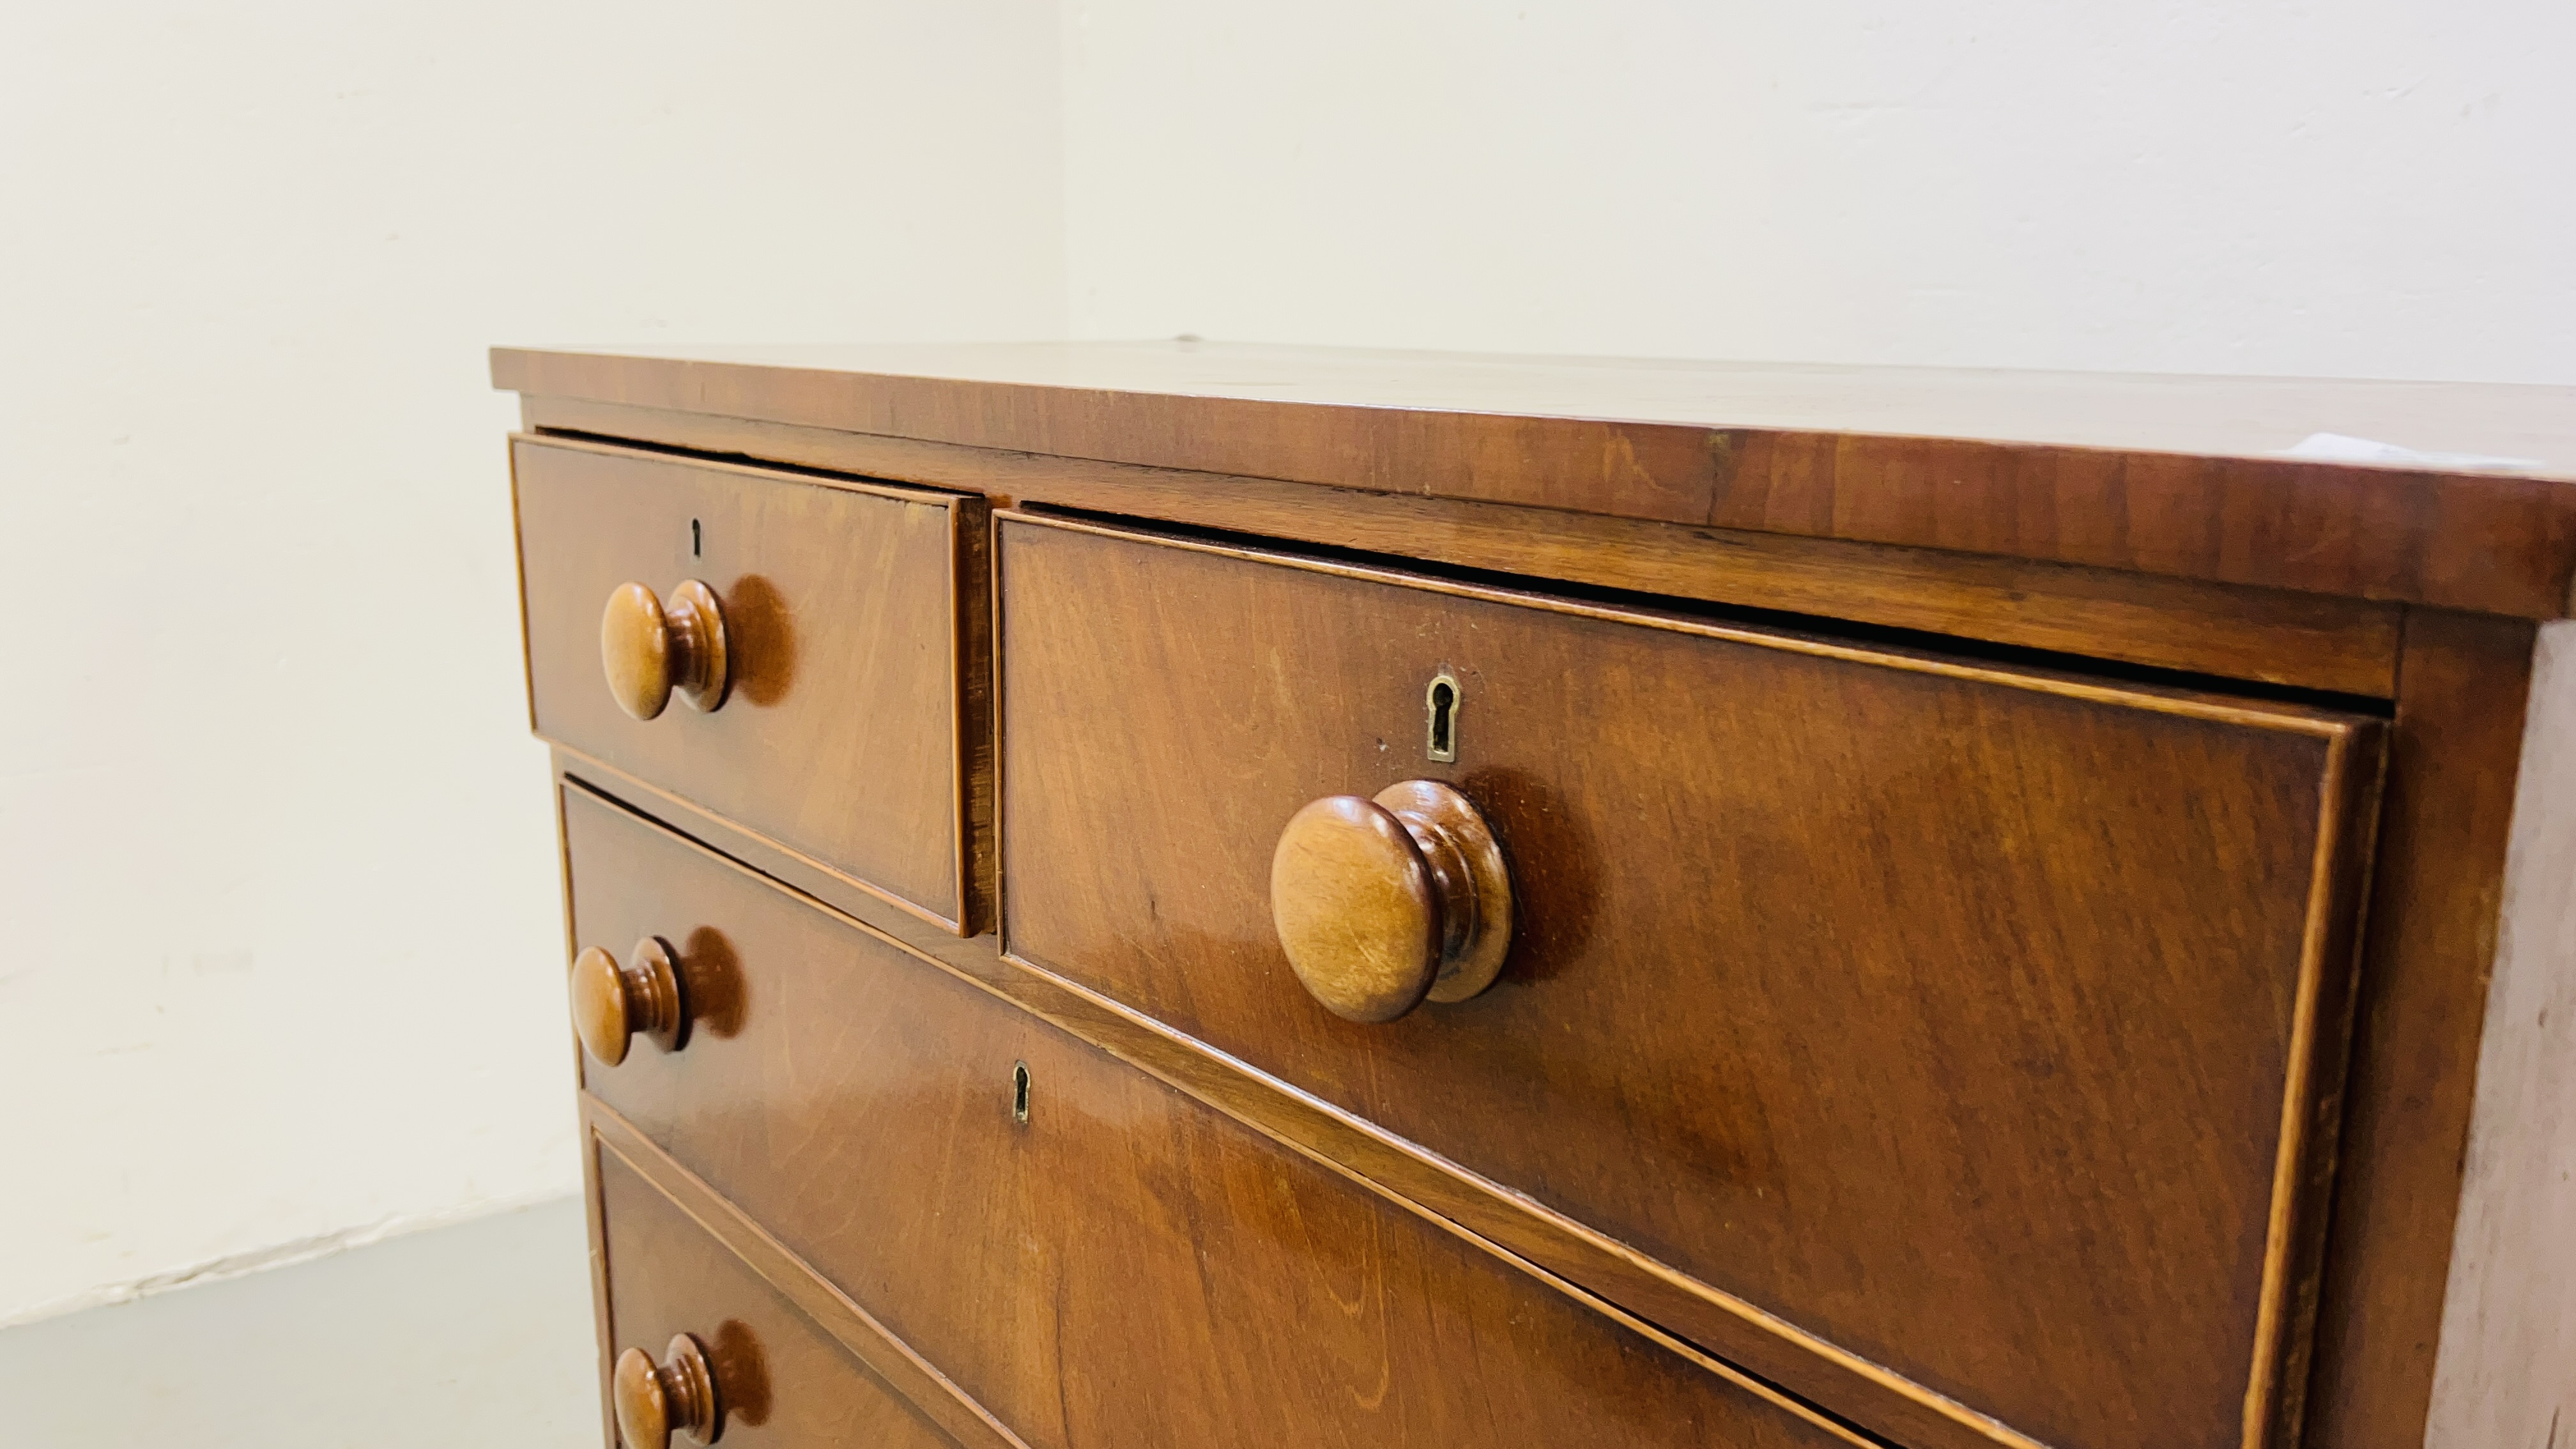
(1440, 730)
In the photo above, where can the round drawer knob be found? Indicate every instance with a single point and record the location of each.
(611, 1003)
(1381, 903)
(654, 1399)
(649, 649)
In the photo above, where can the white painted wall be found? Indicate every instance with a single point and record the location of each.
(278, 892)
(2369, 188)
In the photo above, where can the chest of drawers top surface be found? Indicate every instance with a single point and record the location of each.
(1982, 889)
(2170, 475)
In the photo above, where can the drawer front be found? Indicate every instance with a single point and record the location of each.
(842, 733)
(1122, 1267)
(780, 1380)
(1969, 1022)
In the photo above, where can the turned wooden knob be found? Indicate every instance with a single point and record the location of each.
(1381, 903)
(654, 1399)
(649, 649)
(611, 1003)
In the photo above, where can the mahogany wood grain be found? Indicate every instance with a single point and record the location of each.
(2030, 446)
(2491, 544)
(848, 733)
(931, 1393)
(2216, 415)
(781, 1380)
(1985, 1025)
(2157, 475)
(813, 877)
(2434, 914)
(1593, 1265)
(1125, 1266)
(1368, 1152)
(2309, 640)
(891, 1360)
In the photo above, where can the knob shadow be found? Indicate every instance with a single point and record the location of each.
(711, 974)
(1555, 870)
(742, 1374)
(764, 633)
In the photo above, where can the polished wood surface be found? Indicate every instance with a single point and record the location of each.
(780, 1381)
(2434, 918)
(1984, 1024)
(2137, 522)
(647, 650)
(2172, 476)
(2313, 641)
(2220, 416)
(612, 1003)
(1613, 1277)
(893, 1362)
(1124, 1266)
(847, 734)
(1381, 904)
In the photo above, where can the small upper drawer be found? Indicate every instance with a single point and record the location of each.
(1980, 1022)
(795, 641)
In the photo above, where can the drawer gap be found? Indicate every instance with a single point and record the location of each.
(748, 460)
(1819, 627)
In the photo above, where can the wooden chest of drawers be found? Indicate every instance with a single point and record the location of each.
(1187, 895)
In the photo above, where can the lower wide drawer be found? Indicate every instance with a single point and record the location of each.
(1095, 1258)
(780, 1380)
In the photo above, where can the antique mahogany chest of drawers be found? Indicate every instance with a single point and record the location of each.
(1191, 895)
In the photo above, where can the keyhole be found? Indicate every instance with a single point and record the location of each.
(697, 541)
(1020, 1093)
(1442, 700)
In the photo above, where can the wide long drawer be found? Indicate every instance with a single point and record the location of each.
(1095, 1258)
(802, 651)
(1980, 1022)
